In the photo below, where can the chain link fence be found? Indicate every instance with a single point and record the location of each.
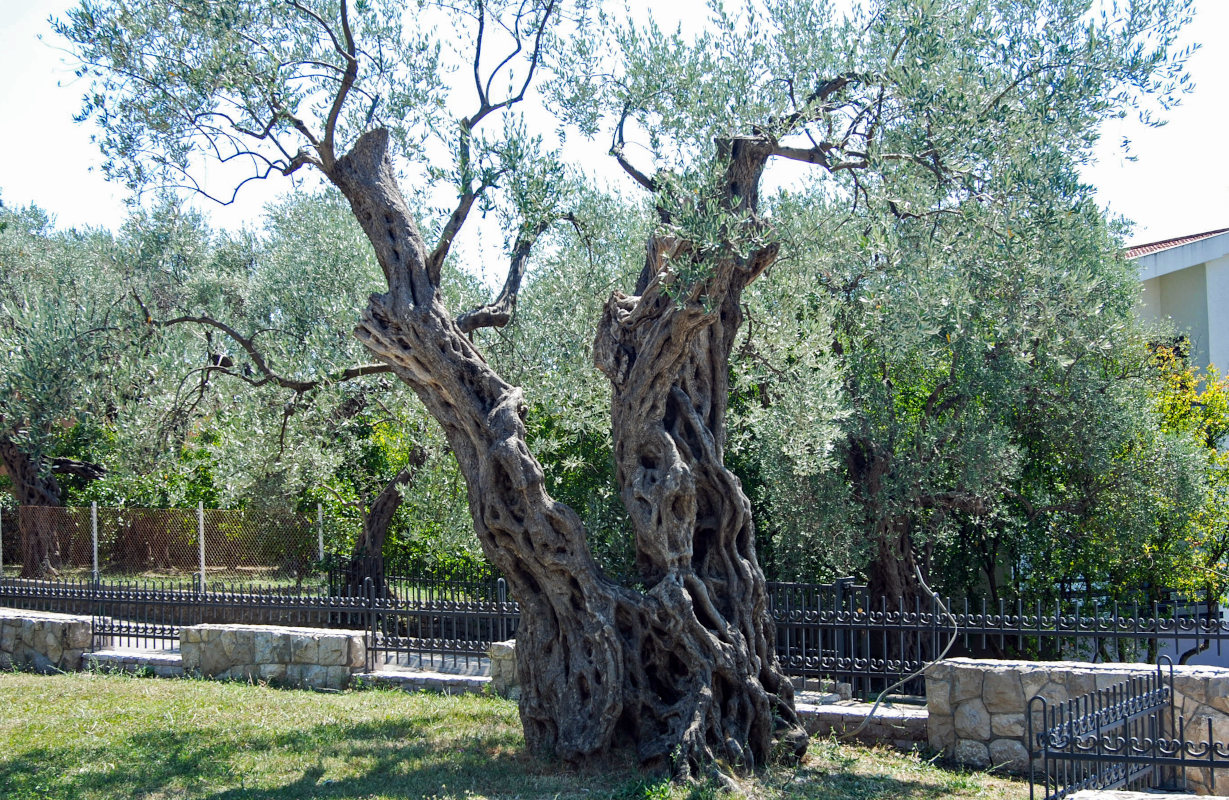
(222, 544)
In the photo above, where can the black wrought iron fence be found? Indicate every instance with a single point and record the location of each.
(1125, 736)
(445, 627)
(824, 632)
(345, 574)
(452, 635)
(839, 632)
(142, 614)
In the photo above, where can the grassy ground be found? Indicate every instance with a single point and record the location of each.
(102, 736)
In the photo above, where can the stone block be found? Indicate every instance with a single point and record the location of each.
(29, 632)
(1054, 692)
(1197, 725)
(971, 754)
(358, 651)
(1002, 692)
(1192, 686)
(503, 667)
(213, 660)
(1104, 679)
(189, 635)
(1010, 725)
(273, 673)
(1009, 755)
(315, 676)
(1081, 683)
(972, 720)
(1217, 696)
(1032, 678)
(966, 684)
(70, 661)
(270, 647)
(236, 645)
(304, 649)
(241, 672)
(338, 677)
(8, 636)
(51, 646)
(294, 674)
(941, 733)
(938, 695)
(940, 671)
(190, 653)
(334, 650)
(78, 636)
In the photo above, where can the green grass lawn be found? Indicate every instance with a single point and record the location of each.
(87, 735)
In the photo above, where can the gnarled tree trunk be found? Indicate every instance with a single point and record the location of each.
(686, 669)
(367, 558)
(34, 488)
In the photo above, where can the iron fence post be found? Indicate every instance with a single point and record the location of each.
(95, 607)
(841, 649)
(94, 535)
(369, 588)
(200, 536)
(501, 597)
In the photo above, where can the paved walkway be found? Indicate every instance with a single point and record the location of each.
(1105, 794)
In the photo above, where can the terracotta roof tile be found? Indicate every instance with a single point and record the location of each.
(1156, 247)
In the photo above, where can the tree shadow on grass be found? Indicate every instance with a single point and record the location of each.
(395, 758)
(391, 758)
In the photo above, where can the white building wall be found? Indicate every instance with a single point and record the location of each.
(1150, 302)
(1183, 299)
(1217, 279)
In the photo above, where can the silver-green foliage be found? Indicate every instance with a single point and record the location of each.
(65, 319)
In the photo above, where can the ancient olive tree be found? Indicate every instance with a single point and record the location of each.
(64, 323)
(683, 668)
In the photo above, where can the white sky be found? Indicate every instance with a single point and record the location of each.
(1178, 184)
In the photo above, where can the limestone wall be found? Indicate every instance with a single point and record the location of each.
(504, 680)
(307, 657)
(42, 641)
(977, 707)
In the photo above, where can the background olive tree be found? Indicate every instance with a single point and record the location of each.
(66, 329)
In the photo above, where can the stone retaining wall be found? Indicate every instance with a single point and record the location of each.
(42, 641)
(306, 657)
(977, 707)
(504, 680)
(901, 727)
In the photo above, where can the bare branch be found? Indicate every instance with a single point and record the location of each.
(482, 96)
(435, 263)
(343, 91)
(498, 313)
(616, 150)
(258, 360)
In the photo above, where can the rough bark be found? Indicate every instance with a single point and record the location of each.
(367, 559)
(684, 670)
(890, 574)
(34, 488)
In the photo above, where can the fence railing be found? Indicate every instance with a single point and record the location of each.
(444, 627)
(1125, 736)
(839, 632)
(824, 632)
